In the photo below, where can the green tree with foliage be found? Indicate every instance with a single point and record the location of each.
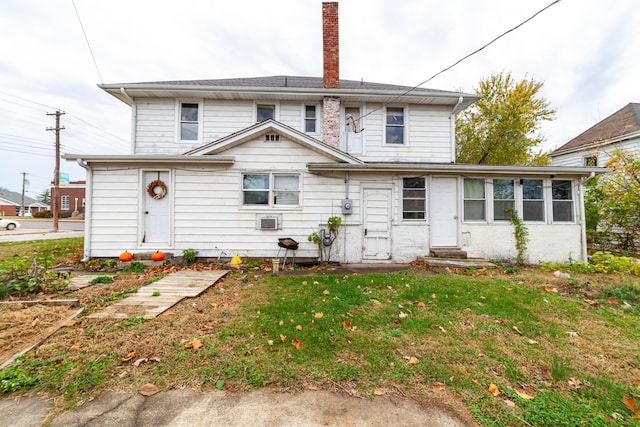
(612, 204)
(500, 127)
(44, 197)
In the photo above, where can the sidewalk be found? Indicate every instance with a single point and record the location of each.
(25, 234)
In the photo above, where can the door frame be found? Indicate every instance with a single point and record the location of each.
(455, 234)
(142, 205)
(389, 189)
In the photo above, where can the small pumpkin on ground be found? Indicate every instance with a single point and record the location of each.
(126, 256)
(157, 256)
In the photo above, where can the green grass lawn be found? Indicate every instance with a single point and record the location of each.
(557, 359)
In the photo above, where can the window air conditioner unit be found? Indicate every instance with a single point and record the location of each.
(268, 223)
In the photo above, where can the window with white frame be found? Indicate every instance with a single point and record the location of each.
(532, 199)
(394, 132)
(265, 112)
(414, 198)
(591, 160)
(310, 118)
(189, 121)
(474, 200)
(271, 189)
(503, 199)
(562, 200)
(64, 203)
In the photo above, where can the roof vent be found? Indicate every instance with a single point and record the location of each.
(272, 137)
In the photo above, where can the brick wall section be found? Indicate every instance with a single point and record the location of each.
(75, 190)
(330, 45)
(331, 128)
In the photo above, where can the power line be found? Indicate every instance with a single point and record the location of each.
(87, 39)
(463, 58)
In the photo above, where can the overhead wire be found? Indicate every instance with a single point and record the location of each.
(408, 91)
(87, 40)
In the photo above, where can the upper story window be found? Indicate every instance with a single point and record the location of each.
(503, 199)
(271, 189)
(591, 161)
(265, 112)
(532, 200)
(189, 121)
(414, 198)
(474, 200)
(310, 118)
(562, 200)
(64, 203)
(394, 132)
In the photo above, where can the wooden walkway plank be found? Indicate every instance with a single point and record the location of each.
(169, 290)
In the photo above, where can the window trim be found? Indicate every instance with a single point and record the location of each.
(305, 119)
(65, 201)
(271, 190)
(543, 200)
(585, 160)
(178, 129)
(425, 198)
(571, 200)
(276, 110)
(405, 126)
(493, 198)
(484, 199)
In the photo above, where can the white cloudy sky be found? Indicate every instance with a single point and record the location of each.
(587, 53)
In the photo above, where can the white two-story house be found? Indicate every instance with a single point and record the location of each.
(227, 167)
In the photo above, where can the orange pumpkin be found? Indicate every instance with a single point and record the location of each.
(157, 256)
(126, 256)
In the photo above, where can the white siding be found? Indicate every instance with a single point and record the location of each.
(155, 126)
(603, 153)
(427, 136)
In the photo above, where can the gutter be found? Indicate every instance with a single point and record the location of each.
(87, 210)
(452, 121)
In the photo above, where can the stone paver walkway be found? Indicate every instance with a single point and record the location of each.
(151, 300)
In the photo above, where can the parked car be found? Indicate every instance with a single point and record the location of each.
(9, 224)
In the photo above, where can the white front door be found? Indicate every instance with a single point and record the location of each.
(156, 209)
(377, 223)
(444, 212)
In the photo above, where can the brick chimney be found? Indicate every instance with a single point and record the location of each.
(330, 45)
(331, 74)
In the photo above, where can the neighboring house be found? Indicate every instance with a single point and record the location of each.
(226, 167)
(11, 204)
(71, 198)
(593, 147)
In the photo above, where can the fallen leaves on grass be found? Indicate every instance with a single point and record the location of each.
(574, 382)
(195, 344)
(438, 386)
(149, 389)
(129, 356)
(524, 394)
(296, 343)
(631, 403)
(421, 304)
(346, 325)
(145, 360)
(493, 389)
(318, 315)
(76, 346)
(298, 327)
(283, 338)
(549, 288)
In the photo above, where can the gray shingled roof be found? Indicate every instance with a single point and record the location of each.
(299, 82)
(623, 122)
(14, 197)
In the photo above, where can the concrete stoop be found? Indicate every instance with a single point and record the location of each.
(477, 263)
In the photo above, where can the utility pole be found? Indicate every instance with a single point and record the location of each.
(56, 173)
(24, 179)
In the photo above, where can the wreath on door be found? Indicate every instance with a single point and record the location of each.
(157, 189)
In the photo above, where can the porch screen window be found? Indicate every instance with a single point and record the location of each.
(395, 125)
(414, 200)
(474, 200)
(562, 201)
(532, 200)
(64, 203)
(503, 199)
(310, 118)
(265, 112)
(591, 161)
(188, 122)
(270, 189)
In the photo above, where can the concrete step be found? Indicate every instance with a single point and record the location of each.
(448, 253)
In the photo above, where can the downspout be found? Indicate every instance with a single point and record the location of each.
(583, 219)
(134, 119)
(346, 196)
(452, 118)
(87, 210)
